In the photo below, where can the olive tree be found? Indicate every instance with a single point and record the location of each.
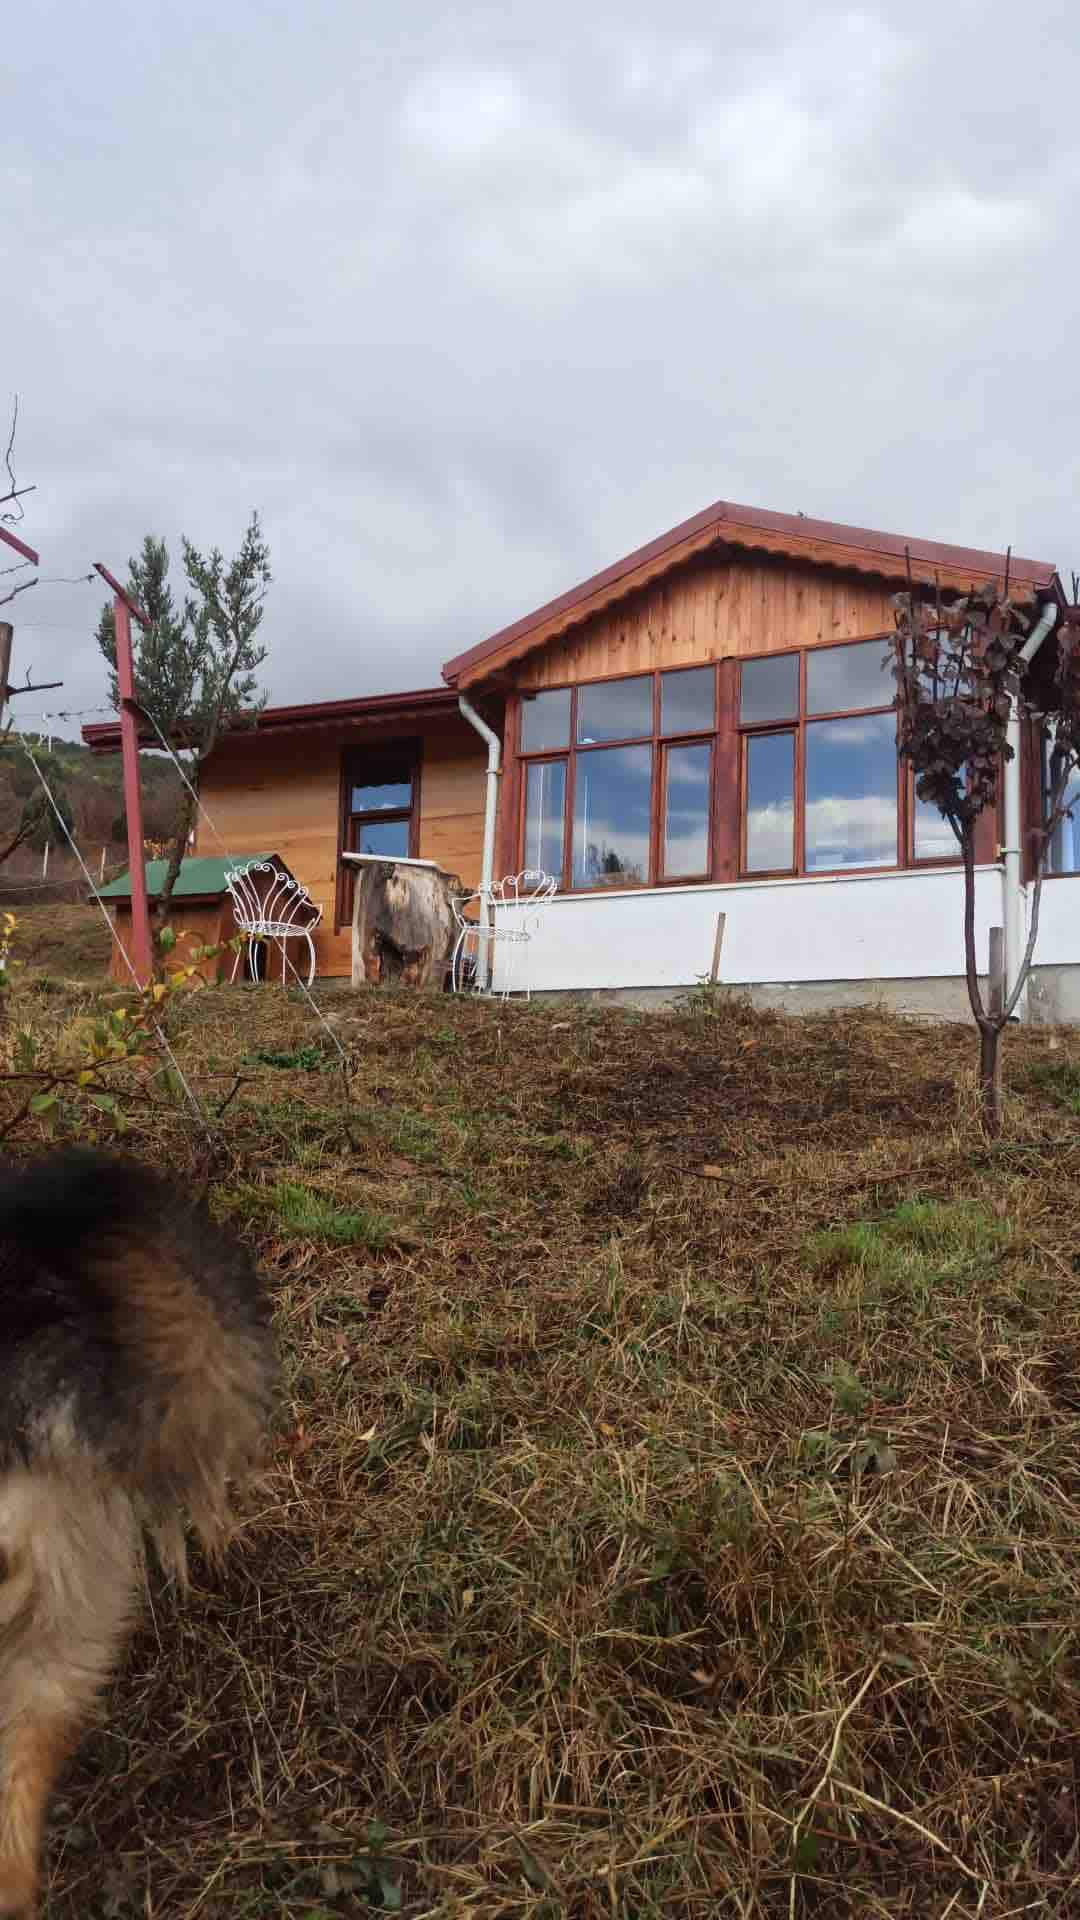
(196, 664)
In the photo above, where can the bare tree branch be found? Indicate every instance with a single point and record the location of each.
(14, 493)
(17, 493)
(26, 585)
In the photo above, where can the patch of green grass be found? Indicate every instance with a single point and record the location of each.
(307, 1059)
(919, 1245)
(1061, 1081)
(418, 1139)
(311, 1216)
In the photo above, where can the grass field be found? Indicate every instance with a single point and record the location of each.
(675, 1508)
(62, 941)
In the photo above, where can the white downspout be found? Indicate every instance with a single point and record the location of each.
(1015, 929)
(487, 858)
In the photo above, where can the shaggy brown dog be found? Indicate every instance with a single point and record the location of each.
(136, 1379)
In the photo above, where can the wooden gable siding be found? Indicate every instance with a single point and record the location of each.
(285, 793)
(712, 609)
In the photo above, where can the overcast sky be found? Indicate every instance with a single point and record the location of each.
(470, 300)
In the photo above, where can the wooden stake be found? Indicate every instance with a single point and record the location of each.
(714, 971)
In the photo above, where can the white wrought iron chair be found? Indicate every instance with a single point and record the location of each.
(502, 918)
(268, 904)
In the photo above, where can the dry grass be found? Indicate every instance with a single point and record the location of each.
(65, 942)
(638, 1542)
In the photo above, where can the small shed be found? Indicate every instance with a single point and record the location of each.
(200, 910)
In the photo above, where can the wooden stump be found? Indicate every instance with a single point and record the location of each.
(403, 924)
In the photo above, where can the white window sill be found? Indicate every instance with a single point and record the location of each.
(794, 880)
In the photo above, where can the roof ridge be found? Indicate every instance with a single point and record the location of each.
(725, 516)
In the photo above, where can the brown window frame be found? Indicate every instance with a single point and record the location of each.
(358, 764)
(796, 727)
(1034, 804)
(659, 744)
(716, 736)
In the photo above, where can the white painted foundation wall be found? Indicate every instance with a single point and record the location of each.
(1058, 944)
(889, 926)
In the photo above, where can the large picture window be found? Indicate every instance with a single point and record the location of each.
(822, 789)
(620, 784)
(617, 787)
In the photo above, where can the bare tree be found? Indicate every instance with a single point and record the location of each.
(195, 665)
(959, 669)
(37, 825)
(11, 510)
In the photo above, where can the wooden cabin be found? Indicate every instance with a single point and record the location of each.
(399, 774)
(699, 743)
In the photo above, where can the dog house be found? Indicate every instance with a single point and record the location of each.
(200, 910)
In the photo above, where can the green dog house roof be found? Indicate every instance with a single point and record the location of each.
(197, 879)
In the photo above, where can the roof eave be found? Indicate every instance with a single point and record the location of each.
(381, 709)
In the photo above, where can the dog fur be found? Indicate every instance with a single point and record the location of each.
(136, 1381)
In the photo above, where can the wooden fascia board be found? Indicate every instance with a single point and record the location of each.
(727, 533)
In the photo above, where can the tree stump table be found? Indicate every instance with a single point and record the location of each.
(403, 927)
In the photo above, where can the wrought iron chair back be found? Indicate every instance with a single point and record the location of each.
(269, 904)
(506, 917)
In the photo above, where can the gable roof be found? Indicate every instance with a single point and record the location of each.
(202, 878)
(821, 542)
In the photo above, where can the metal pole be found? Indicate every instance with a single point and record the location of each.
(7, 635)
(141, 948)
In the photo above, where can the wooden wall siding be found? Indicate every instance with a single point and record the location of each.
(711, 609)
(452, 777)
(283, 795)
(194, 926)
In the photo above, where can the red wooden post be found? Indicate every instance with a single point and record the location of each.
(141, 950)
(142, 953)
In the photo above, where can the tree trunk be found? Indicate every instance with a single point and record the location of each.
(403, 924)
(990, 1077)
(176, 856)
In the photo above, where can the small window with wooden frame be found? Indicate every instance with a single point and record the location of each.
(379, 810)
(616, 785)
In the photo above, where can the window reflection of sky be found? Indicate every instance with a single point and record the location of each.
(611, 817)
(545, 720)
(1064, 854)
(686, 829)
(934, 838)
(769, 689)
(386, 796)
(688, 700)
(770, 805)
(839, 678)
(615, 710)
(851, 792)
(390, 838)
(545, 795)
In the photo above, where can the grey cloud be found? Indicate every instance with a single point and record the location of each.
(469, 301)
